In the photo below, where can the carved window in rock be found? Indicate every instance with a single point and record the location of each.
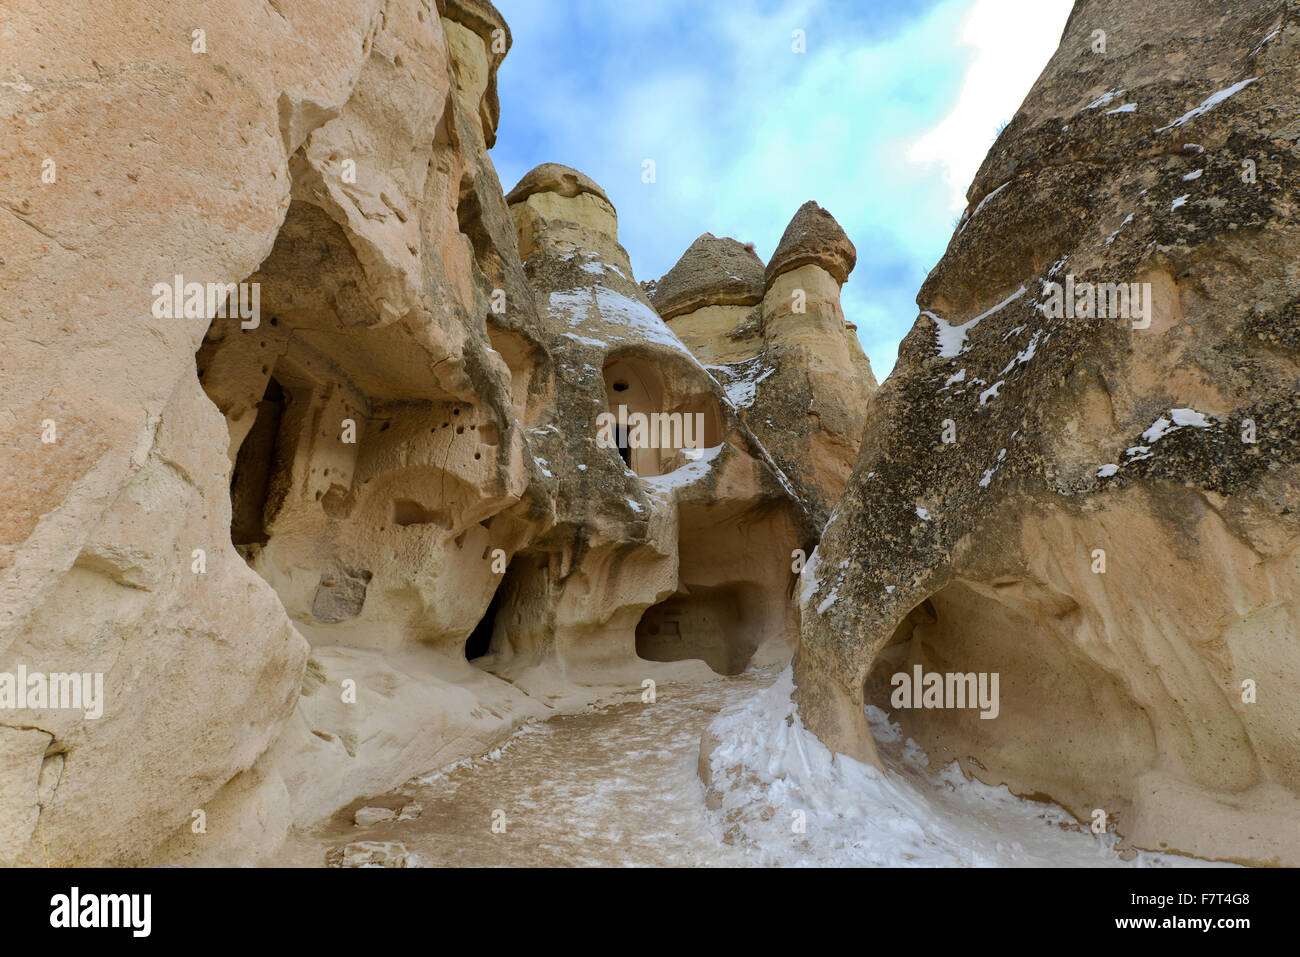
(656, 422)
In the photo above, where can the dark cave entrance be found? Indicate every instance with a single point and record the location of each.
(709, 624)
(480, 640)
(250, 483)
(624, 449)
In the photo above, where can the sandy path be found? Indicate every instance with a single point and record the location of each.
(618, 787)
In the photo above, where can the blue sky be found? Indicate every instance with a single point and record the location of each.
(883, 120)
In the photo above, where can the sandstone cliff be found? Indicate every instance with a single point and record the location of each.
(1099, 501)
(657, 553)
(303, 544)
(777, 339)
(334, 463)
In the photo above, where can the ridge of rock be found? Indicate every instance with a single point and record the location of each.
(1095, 495)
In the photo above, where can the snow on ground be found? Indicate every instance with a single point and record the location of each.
(1104, 99)
(614, 309)
(1265, 40)
(981, 205)
(1181, 417)
(1111, 238)
(1025, 354)
(617, 786)
(992, 391)
(769, 769)
(989, 473)
(611, 787)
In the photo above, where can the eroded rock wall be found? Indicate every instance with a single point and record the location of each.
(370, 459)
(776, 337)
(664, 553)
(1099, 504)
(157, 160)
(280, 519)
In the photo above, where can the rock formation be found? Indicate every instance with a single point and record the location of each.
(335, 158)
(325, 463)
(293, 430)
(1082, 474)
(707, 297)
(659, 552)
(777, 339)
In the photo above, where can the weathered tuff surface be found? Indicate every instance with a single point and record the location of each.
(1129, 689)
(669, 554)
(777, 339)
(712, 272)
(335, 155)
(279, 540)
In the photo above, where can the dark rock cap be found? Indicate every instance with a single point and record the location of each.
(813, 236)
(555, 178)
(712, 272)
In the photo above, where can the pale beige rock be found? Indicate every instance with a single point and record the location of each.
(818, 394)
(667, 559)
(99, 527)
(386, 118)
(280, 536)
(720, 335)
(790, 363)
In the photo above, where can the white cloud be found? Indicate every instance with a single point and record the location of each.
(1011, 41)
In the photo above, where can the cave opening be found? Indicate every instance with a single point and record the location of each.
(479, 643)
(620, 386)
(708, 624)
(1032, 648)
(638, 387)
(255, 465)
(660, 424)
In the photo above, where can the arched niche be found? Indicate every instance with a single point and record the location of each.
(682, 413)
